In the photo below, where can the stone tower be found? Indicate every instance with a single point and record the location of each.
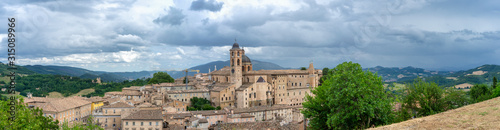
(312, 76)
(236, 55)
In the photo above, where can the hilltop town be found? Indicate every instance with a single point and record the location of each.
(247, 98)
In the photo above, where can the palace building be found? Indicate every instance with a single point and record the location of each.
(238, 85)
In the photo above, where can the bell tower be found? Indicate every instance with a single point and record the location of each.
(236, 55)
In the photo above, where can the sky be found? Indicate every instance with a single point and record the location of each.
(136, 35)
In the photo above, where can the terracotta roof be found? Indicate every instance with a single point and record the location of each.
(147, 104)
(112, 100)
(145, 115)
(223, 71)
(61, 104)
(118, 105)
(242, 115)
(95, 99)
(113, 93)
(209, 112)
(221, 86)
(203, 121)
(188, 91)
(244, 86)
(263, 108)
(132, 93)
(178, 115)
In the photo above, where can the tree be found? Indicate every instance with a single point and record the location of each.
(421, 98)
(349, 98)
(494, 85)
(303, 68)
(25, 118)
(80, 126)
(161, 77)
(200, 104)
(480, 92)
(455, 98)
(325, 74)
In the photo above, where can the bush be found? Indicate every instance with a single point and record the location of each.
(480, 92)
(421, 99)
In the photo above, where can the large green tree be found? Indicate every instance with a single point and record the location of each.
(161, 77)
(25, 118)
(349, 98)
(480, 92)
(422, 98)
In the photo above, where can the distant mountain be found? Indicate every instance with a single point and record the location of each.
(480, 75)
(135, 75)
(61, 70)
(75, 72)
(257, 65)
(393, 74)
(20, 70)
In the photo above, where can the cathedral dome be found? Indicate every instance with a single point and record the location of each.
(245, 59)
(236, 46)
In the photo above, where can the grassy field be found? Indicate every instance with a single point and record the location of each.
(482, 115)
(55, 95)
(82, 92)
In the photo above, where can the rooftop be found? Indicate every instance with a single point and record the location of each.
(145, 115)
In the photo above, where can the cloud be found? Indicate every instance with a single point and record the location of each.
(125, 35)
(174, 17)
(210, 5)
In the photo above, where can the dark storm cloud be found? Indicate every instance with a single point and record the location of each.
(429, 34)
(174, 17)
(210, 5)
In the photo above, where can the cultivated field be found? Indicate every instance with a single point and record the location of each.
(483, 115)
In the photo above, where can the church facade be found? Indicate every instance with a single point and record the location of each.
(238, 85)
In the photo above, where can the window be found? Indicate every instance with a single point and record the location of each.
(149, 123)
(229, 98)
(156, 123)
(142, 123)
(126, 123)
(133, 123)
(114, 111)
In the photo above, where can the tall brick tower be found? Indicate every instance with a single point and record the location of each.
(236, 55)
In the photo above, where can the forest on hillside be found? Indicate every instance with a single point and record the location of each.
(42, 84)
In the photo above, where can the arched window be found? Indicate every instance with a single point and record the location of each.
(227, 79)
(232, 53)
(243, 68)
(238, 63)
(248, 79)
(238, 53)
